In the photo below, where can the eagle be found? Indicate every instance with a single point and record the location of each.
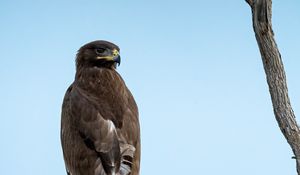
(100, 132)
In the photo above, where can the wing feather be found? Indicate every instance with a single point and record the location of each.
(99, 137)
(99, 134)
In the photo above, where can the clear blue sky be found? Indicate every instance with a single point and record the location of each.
(193, 67)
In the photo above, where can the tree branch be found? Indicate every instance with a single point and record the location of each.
(275, 74)
(250, 2)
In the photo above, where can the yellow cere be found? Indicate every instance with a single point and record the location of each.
(110, 57)
(115, 52)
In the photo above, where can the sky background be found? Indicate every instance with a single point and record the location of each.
(193, 67)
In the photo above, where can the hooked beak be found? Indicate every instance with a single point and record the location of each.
(115, 57)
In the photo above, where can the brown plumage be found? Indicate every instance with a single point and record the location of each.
(99, 123)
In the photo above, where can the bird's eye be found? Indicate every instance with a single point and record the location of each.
(100, 50)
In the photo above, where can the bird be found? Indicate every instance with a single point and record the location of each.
(100, 130)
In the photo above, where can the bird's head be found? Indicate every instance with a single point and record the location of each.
(98, 53)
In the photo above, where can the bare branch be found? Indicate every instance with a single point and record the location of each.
(250, 2)
(275, 74)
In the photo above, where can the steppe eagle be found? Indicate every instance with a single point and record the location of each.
(100, 132)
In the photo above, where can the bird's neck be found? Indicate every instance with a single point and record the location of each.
(98, 80)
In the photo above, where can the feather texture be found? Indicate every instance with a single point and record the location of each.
(100, 125)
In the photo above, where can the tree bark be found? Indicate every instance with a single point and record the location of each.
(275, 74)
